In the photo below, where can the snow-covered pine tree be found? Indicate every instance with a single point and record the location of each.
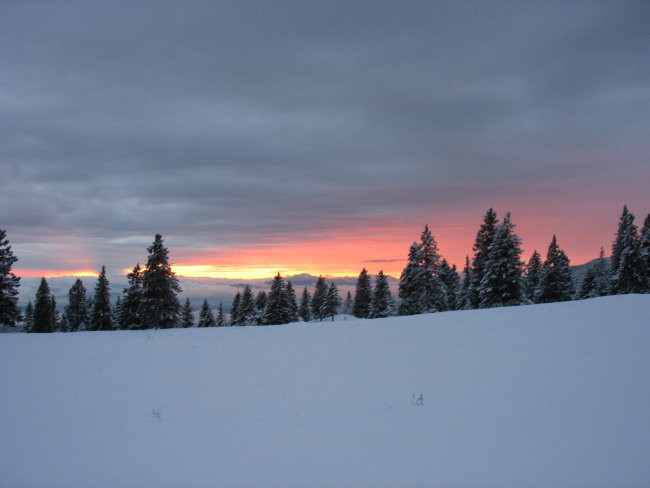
(484, 238)
(42, 319)
(451, 281)
(117, 313)
(463, 301)
(9, 283)
(77, 309)
(627, 265)
(587, 286)
(382, 299)
(348, 303)
(645, 251)
(234, 309)
(131, 313)
(160, 306)
(501, 285)
(362, 296)
(305, 306)
(206, 317)
(556, 281)
(293, 303)
(260, 301)
(56, 317)
(435, 295)
(64, 326)
(412, 284)
(101, 317)
(28, 318)
(531, 277)
(278, 308)
(221, 317)
(602, 278)
(247, 313)
(187, 315)
(318, 301)
(332, 301)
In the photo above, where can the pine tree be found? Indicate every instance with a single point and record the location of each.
(645, 251)
(362, 296)
(56, 318)
(42, 319)
(451, 281)
(278, 308)
(348, 303)
(101, 318)
(602, 279)
(627, 264)
(501, 285)
(234, 309)
(587, 288)
(332, 301)
(221, 317)
(77, 308)
(260, 301)
(382, 299)
(206, 317)
(28, 323)
(64, 325)
(555, 282)
(247, 313)
(412, 284)
(117, 313)
(305, 306)
(160, 306)
(293, 304)
(531, 279)
(187, 314)
(130, 313)
(464, 294)
(318, 301)
(481, 248)
(9, 283)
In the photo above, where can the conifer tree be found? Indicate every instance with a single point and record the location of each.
(77, 309)
(206, 317)
(602, 279)
(481, 248)
(531, 279)
(435, 294)
(464, 294)
(42, 319)
(234, 309)
(221, 317)
(451, 281)
(187, 314)
(318, 301)
(160, 307)
(278, 308)
(56, 318)
(362, 296)
(412, 284)
(101, 317)
(501, 285)
(348, 303)
(332, 301)
(382, 299)
(117, 313)
(627, 265)
(305, 306)
(556, 281)
(28, 323)
(260, 301)
(64, 326)
(293, 304)
(645, 251)
(9, 283)
(131, 313)
(247, 313)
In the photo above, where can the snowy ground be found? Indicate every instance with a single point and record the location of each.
(539, 396)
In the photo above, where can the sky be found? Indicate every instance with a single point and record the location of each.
(317, 137)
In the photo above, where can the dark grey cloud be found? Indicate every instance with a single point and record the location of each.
(223, 122)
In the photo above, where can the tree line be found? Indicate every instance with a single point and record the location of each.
(495, 276)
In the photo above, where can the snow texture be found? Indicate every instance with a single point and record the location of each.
(553, 395)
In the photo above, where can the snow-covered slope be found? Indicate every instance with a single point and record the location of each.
(540, 396)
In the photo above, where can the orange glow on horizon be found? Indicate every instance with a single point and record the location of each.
(49, 273)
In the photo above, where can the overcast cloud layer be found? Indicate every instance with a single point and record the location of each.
(224, 124)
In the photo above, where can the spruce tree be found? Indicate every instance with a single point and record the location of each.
(451, 281)
(556, 281)
(627, 265)
(221, 317)
(206, 317)
(501, 285)
(318, 301)
(187, 314)
(362, 296)
(481, 248)
(435, 294)
(131, 313)
(117, 313)
(77, 309)
(382, 299)
(348, 303)
(332, 301)
(160, 306)
(42, 319)
(28, 323)
(602, 278)
(464, 294)
(412, 284)
(305, 306)
(587, 288)
(101, 317)
(278, 308)
(260, 301)
(293, 304)
(645, 251)
(56, 318)
(234, 309)
(247, 313)
(531, 279)
(9, 283)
